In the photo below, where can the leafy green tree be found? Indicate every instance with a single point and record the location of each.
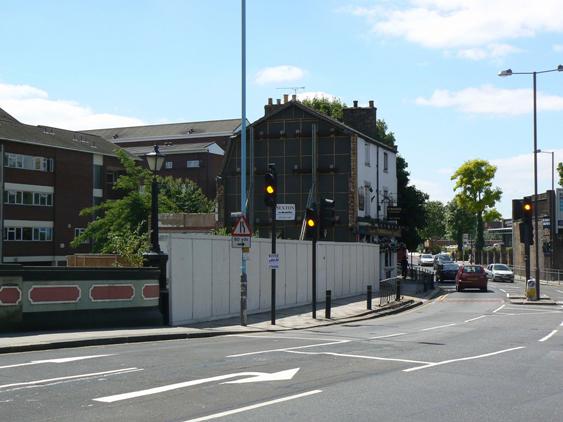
(475, 193)
(435, 227)
(332, 108)
(458, 222)
(120, 223)
(560, 171)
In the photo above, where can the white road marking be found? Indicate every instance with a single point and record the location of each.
(282, 337)
(346, 355)
(502, 290)
(438, 326)
(499, 308)
(562, 324)
(283, 349)
(255, 377)
(560, 291)
(254, 406)
(93, 374)
(59, 360)
(462, 359)
(475, 319)
(387, 336)
(548, 336)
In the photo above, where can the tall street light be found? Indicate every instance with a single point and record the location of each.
(155, 258)
(552, 167)
(509, 72)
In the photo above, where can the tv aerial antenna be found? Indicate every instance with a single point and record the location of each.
(293, 88)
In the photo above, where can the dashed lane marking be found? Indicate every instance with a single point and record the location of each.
(475, 319)
(284, 349)
(499, 308)
(387, 336)
(548, 336)
(438, 326)
(347, 355)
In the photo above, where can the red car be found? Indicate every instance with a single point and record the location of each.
(471, 276)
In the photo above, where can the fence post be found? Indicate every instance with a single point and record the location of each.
(369, 297)
(398, 290)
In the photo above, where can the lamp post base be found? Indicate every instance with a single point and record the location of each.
(159, 260)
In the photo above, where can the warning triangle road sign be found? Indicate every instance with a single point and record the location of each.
(241, 228)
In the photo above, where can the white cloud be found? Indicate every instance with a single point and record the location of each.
(558, 48)
(437, 191)
(465, 24)
(491, 100)
(33, 106)
(492, 51)
(277, 74)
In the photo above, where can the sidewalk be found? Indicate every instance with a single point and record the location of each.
(343, 311)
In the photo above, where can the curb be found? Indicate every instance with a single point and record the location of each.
(372, 314)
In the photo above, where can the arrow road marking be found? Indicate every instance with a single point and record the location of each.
(254, 406)
(254, 377)
(50, 380)
(59, 360)
(285, 349)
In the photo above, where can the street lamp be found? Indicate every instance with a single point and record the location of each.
(552, 166)
(509, 72)
(155, 257)
(155, 160)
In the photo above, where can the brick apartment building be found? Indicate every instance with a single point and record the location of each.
(194, 150)
(48, 176)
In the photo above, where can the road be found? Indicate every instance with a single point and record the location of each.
(467, 356)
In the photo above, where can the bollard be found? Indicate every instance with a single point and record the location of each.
(328, 304)
(398, 292)
(369, 297)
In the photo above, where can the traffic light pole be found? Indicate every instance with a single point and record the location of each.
(273, 298)
(527, 254)
(314, 278)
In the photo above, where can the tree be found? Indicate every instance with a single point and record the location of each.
(331, 107)
(560, 171)
(120, 223)
(458, 221)
(476, 194)
(435, 227)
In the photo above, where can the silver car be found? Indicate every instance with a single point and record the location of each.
(500, 272)
(426, 259)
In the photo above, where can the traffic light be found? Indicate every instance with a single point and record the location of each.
(328, 215)
(270, 188)
(311, 222)
(526, 227)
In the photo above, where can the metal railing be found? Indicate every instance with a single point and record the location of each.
(389, 290)
(426, 275)
(548, 275)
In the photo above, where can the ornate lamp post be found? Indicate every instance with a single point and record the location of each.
(509, 72)
(155, 257)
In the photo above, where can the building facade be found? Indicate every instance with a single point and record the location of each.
(48, 176)
(316, 158)
(194, 150)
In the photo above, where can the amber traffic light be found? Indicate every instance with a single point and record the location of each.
(270, 188)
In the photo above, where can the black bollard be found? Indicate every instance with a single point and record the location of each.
(369, 297)
(328, 304)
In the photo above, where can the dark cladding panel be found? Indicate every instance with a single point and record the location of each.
(341, 183)
(260, 147)
(292, 147)
(326, 183)
(342, 145)
(291, 164)
(306, 146)
(325, 161)
(326, 145)
(292, 183)
(275, 147)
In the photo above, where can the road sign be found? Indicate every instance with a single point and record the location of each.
(285, 212)
(241, 242)
(242, 228)
(274, 261)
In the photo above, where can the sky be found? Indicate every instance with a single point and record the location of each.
(430, 66)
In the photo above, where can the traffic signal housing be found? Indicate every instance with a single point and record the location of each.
(270, 188)
(311, 222)
(328, 215)
(527, 227)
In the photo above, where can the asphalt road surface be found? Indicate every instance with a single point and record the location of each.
(467, 356)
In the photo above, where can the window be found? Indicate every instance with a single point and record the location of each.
(192, 164)
(78, 231)
(385, 162)
(361, 199)
(42, 199)
(28, 234)
(168, 165)
(366, 152)
(29, 162)
(98, 177)
(367, 189)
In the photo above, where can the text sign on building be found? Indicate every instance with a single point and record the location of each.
(285, 212)
(241, 234)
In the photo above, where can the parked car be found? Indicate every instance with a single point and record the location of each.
(448, 271)
(426, 259)
(500, 272)
(471, 276)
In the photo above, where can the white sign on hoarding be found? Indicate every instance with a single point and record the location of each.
(241, 242)
(285, 212)
(274, 261)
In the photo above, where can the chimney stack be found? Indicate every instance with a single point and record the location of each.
(285, 98)
(370, 103)
(270, 102)
(363, 119)
(278, 101)
(294, 97)
(355, 103)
